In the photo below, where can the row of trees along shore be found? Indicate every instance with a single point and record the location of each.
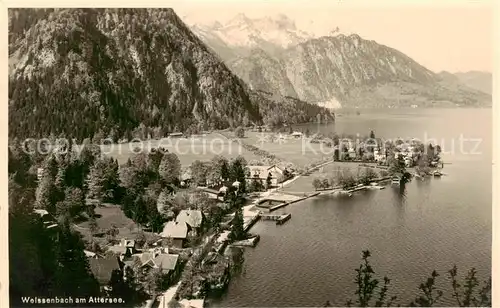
(346, 179)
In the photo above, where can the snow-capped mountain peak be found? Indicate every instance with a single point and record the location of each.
(276, 32)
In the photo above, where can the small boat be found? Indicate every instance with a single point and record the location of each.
(375, 187)
(437, 173)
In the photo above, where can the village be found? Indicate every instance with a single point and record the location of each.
(185, 258)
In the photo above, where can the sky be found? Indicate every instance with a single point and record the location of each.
(455, 36)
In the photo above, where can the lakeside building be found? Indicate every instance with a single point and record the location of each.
(263, 172)
(297, 135)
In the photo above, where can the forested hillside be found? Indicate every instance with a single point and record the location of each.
(114, 71)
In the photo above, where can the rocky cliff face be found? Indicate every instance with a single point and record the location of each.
(240, 35)
(265, 72)
(79, 72)
(343, 70)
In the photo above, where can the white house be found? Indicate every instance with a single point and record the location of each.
(175, 231)
(379, 156)
(263, 172)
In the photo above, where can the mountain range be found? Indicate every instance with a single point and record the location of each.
(272, 54)
(240, 34)
(482, 81)
(123, 72)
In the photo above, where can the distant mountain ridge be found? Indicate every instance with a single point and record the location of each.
(338, 70)
(482, 81)
(120, 72)
(241, 34)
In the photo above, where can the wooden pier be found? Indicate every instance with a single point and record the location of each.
(251, 242)
(280, 219)
(250, 223)
(270, 207)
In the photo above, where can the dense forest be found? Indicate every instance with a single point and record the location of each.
(80, 72)
(280, 110)
(45, 260)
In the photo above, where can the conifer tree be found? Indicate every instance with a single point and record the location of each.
(237, 231)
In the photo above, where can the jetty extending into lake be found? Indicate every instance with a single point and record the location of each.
(278, 200)
(250, 242)
(280, 219)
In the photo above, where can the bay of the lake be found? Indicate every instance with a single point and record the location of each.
(437, 223)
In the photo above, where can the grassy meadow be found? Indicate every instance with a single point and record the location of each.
(295, 150)
(187, 149)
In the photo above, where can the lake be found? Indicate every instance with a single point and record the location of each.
(438, 223)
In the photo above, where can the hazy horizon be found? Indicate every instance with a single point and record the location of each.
(454, 38)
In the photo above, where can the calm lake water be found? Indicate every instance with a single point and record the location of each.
(441, 222)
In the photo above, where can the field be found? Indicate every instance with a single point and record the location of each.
(109, 215)
(188, 149)
(295, 150)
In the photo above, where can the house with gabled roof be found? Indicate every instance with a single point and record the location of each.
(159, 258)
(192, 303)
(219, 194)
(176, 232)
(103, 268)
(125, 248)
(48, 220)
(263, 172)
(193, 219)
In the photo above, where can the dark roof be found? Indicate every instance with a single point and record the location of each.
(161, 260)
(102, 268)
